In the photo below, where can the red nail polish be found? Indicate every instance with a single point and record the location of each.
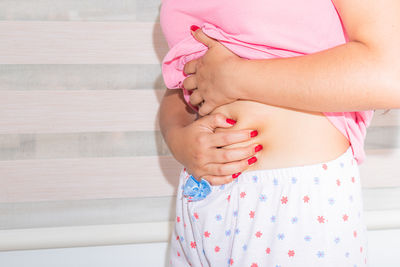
(258, 148)
(252, 160)
(254, 133)
(194, 27)
(230, 121)
(234, 176)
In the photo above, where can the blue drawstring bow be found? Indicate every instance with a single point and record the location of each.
(195, 190)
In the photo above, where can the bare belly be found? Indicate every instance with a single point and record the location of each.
(289, 137)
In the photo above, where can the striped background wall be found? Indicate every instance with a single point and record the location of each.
(80, 85)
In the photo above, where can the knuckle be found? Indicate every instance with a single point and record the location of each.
(220, 170)
(226, 156)
(226, 138)
(218, 117)
(201, 140)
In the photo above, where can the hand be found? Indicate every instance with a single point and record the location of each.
(201, 150)
(213, 75)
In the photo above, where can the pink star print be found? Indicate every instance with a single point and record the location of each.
(306, 199)
(353, 179)
(321, 219)
(206, 234)
(291, 253)
(242, 194)
(324, 166)
(216, 249)
(258, 234)
(228, 198)
(268, 251)
(178, 219)
(284, 200)
(196, 215)
(231, 261)
(355, 233)
(345, 217)
(251, 214)
(254, 265)
(178, 254)
(193, 244)
(338, 182)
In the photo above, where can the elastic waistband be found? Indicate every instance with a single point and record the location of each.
(343, 163)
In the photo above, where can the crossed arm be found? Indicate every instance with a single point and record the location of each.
(362, 74)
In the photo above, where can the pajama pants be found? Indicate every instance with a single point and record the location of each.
(310, 215)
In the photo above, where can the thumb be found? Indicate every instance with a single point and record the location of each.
(217, 121)
(200, 36)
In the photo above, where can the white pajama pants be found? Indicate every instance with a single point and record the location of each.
(310, 215)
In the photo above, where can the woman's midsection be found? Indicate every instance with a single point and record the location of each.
(289, 137)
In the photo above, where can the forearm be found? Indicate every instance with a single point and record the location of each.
(173, 113)
(349, 77)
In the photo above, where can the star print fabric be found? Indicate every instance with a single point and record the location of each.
(310, 215)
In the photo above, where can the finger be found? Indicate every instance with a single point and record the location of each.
(190, 82)
(206, 108)
(226, 138)
(218, 180)
(234, 154)
(200, 36)
(190, 67)
(196, 98)
(230, 168)
(216, 121)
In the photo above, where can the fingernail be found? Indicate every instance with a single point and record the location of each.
(234, 176)
(254, 133)
(194, 27)
(258, 148)
(230, 121)
(252, 160)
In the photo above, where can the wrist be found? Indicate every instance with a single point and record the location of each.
(242, 80)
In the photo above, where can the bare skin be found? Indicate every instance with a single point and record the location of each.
(288, 116)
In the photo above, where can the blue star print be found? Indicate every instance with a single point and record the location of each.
(263, 198)
(218, 217)
(320, 254)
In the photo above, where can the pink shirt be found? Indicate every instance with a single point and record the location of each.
(259, 29)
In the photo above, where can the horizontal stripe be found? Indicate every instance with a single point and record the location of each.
(66, 111)
(127, 144)
(82, 145)
(78, 111)
(59, 42)
(80, 77)
(88, 178)
(86, 212)
(98, 10)
(132, 210)
(124, 177)
(118, 234)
